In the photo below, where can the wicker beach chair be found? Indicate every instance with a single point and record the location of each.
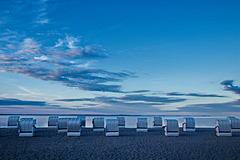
(98, 124)
(62, 124)
(235, 124)
(142, 125)
(27, 127)
(171, 127)
(52, 121)
(13, 121)
(74, 127)
(157, 122)
(112, 128)
(121, 122)
(189, 125)
(223, 128)
(83, 121)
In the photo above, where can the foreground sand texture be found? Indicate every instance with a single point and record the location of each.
(48, 144)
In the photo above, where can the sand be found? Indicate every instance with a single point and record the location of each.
(48, 144)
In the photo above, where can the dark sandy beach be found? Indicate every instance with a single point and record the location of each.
(48, 144)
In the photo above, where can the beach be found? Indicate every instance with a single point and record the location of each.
(48, 144)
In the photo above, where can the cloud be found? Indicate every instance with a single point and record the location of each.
(138, 91)
(151, 99)
(233, 106)
(9, 101)
(193, 94)
(228, 86)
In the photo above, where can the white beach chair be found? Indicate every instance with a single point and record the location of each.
(121, 122)
(112, 128)
(223, 128)
(157, 122)
(74, 127)
(27, 127)
(98, 124)
(62, 124)
(83, 121)
(13, 121)
(189, 125)
(171, 127)
(142, 125)
(52, 121)
(235, 124)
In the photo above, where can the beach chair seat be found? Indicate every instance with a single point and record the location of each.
(83, 121)
(235, 124)
(74, 127)
(157, 122)
(142, 125)
(112, 128)
(189, 125)
(121, 122)
(223, 128)
(13, 121)
(27, 127)
(52, 121)
(98, 124)
(171, 127)
(62, 124)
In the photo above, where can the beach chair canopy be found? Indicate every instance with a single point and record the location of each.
(157, 121)
(52, 120)
(83, 120)
(112, 125)
(172, 125)
(98, 123)
(62, 123)
(74, 125)
(223, 125)
(142, 123)
(231, 118)
(27, 124)
(190, 122)
(121, 121)
(235, 124)
(13, 120)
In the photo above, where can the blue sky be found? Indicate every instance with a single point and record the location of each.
(120, 57)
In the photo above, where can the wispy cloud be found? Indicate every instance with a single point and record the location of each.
(69, 66)
(193, 94)
(9, 101)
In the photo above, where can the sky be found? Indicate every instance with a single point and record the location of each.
(120, 57)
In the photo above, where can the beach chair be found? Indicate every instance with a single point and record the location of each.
(189, 125)
(121, 122)
(62, 124)
(83, 121)
(112, 128)
(13, 121)
(142, 125)
(171, 127)
(52, 121)
(223, 128)
(157, 122)
(74, 127)
(98, 124)
(27, 127)
(235, 124)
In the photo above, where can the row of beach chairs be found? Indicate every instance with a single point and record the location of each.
(73, 126)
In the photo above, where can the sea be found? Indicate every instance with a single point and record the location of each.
(130, 121)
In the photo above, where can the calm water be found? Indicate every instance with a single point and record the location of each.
(130, 121)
